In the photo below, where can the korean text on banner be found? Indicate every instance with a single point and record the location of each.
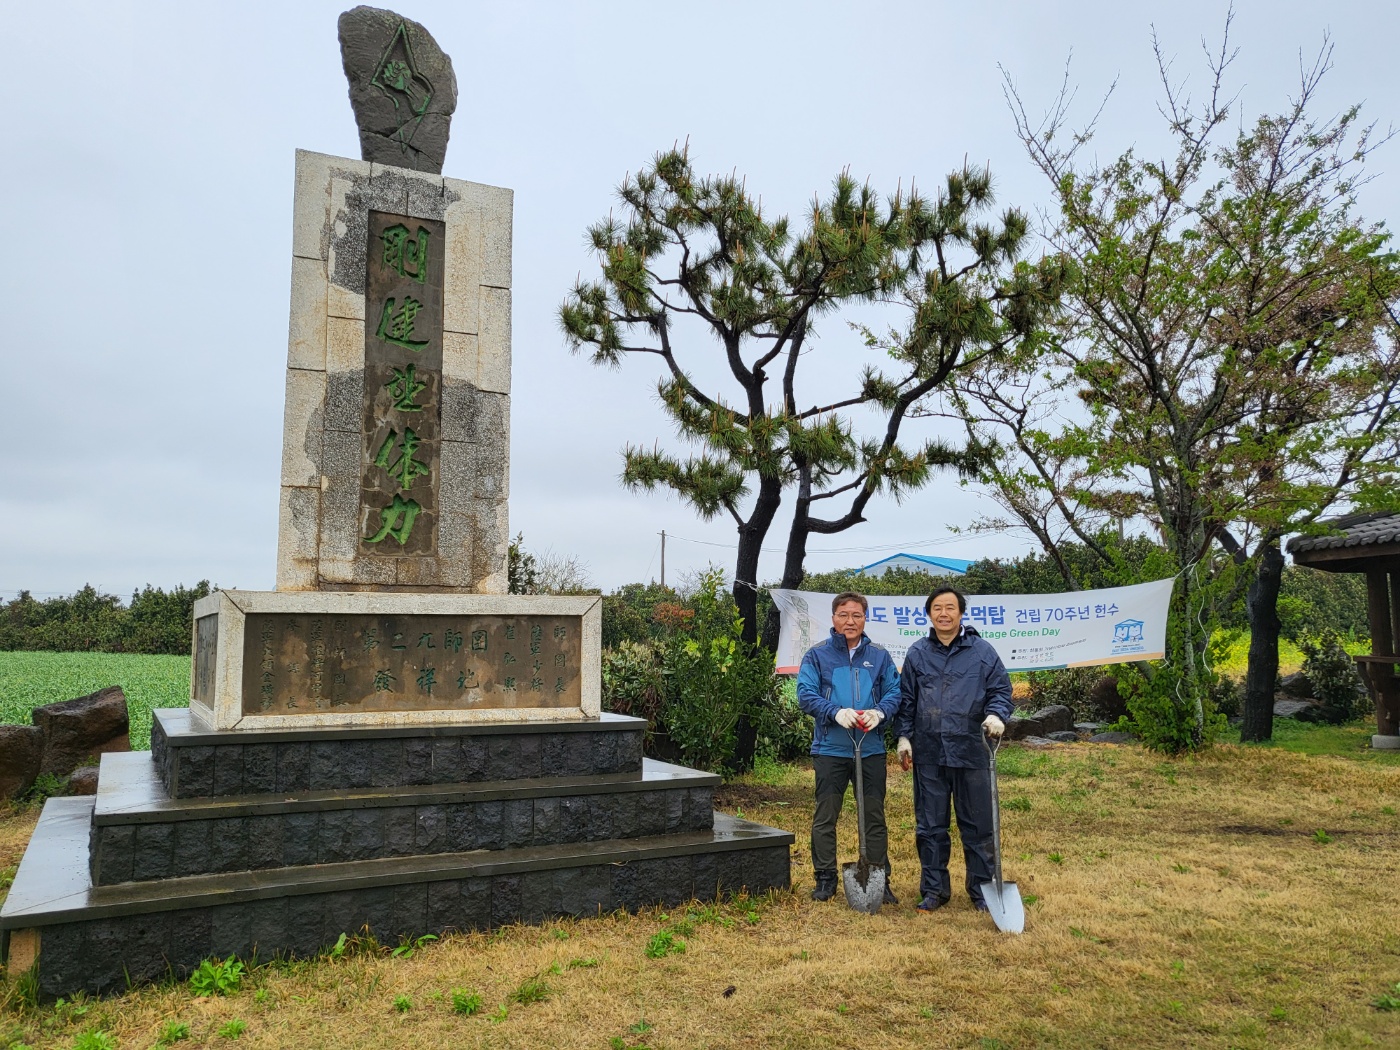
(1031, 632)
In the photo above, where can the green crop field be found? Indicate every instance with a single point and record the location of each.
(28, 680)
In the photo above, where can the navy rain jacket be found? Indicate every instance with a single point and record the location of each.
(945, 693)
(832, 677)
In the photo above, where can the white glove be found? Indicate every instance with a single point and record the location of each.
(871, 717)
(904, 748)
(847, 717)
(994, 726)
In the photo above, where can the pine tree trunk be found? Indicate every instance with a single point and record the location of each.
(751, 537)
(1261, 605)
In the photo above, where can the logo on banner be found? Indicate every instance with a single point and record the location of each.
(1127, 637)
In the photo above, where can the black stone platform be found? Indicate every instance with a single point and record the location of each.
(100, 938)
(196, 762)
(275, 843)
(139, 832)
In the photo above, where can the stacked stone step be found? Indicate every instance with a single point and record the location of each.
(276, 842)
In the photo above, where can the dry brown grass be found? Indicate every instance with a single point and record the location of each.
(1190, 906)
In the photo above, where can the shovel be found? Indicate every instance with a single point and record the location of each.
(864, 885)
(1003, 899)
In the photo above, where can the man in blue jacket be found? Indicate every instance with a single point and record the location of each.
(954, 689)
(849, 685)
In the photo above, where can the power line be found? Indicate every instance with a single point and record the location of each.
(831, 550)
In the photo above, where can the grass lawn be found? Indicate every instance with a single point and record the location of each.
(28, 680)
(1244, 898)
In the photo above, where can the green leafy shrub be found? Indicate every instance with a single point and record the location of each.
(713, 679)
(95, 1039)
(1069, 686)
(1335, 681)
(663, 944)
(632, 680)
(403, 1004)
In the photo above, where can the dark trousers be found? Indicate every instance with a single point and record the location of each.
(970, 793)
(833, 774)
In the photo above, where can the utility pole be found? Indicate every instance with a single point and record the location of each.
(663, 558)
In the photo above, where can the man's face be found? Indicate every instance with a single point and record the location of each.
(849, 620)
(945, 614)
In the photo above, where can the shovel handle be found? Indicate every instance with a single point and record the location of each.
(860, 792)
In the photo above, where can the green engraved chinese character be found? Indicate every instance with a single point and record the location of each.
(425, 641)
(371, 639)
(404, 254)
(383, 681)
(452, 640)
(559, 685)
(558, 659)
(479, 641)
(397, 521)
(405, 468)
(509, 684)
(467, 680)
(560, 633)
(404, 388)
(427, 678)
(536, 684)
(509, 658)
(396, 326)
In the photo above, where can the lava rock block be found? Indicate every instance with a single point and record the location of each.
(1019, 727)
(1298, 686)
(1303, 710)
(1087, 728)
(83, 781)
(1111, 738)
(402, 88)
(1057, 718)
(21, 751)
(1064, 736)
(76, 731)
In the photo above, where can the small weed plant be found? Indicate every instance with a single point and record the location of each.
(95, 1039)
(233, 1029)
(407, 948)
(1388, 1000)
(531, 990)
(663, 944)
(216, 977)
(466, 1003)
(403, 1004)
(173, 1032)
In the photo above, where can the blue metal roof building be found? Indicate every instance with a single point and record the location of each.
(917, 563)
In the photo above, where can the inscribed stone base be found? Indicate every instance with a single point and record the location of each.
(283, 660)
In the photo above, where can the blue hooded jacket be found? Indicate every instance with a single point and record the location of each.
(946, 691)
(832, 677)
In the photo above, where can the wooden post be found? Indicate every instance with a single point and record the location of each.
(1378, 612)
(1394, 609)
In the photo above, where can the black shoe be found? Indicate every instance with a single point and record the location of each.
(980, 905)
(890, 898)
(929, 904)
(826, 885)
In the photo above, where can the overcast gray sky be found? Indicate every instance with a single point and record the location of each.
(147, 195)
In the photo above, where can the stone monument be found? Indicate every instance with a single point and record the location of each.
(388, 741)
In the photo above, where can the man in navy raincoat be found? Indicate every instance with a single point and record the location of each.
(849, 685)
(954, 692)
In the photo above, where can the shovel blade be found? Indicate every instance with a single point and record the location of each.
(1005, 907)
(867, 898)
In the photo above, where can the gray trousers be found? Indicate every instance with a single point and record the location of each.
(833, 775)
(970, 793)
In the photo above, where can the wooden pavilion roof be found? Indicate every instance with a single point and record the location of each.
(1357, 542)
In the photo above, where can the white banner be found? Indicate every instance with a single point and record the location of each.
(1031, 632)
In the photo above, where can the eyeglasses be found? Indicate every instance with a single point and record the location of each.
(849, 616)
